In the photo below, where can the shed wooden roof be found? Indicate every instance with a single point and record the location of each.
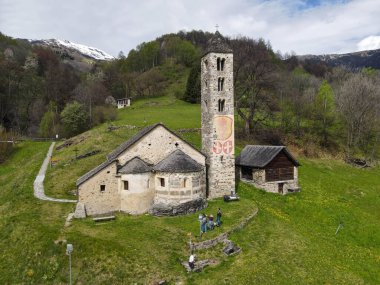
(260, 156)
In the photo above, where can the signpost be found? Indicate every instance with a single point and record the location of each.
(69, 250)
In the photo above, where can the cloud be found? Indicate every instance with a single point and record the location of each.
(368, 43)
(302, 26)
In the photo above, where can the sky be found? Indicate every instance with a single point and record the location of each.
(295, 26)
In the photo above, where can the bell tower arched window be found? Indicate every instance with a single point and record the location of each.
(220, 83)
(218, 64)
(222, 64)
(221, 105)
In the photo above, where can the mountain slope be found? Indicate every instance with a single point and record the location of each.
(361, 59)
(70, 47)
(79, 56)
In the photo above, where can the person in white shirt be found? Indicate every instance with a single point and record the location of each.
(191, 261)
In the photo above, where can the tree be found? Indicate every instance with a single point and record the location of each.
(193, 85)
(296, 96)
(324, 113)
(254, 79)
(74, 118)
(5, 146)
(182, 51)
(358, 102)
(49, 125)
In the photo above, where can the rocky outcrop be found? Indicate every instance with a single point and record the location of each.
(231, 248)
(199, 265)
(193, 206)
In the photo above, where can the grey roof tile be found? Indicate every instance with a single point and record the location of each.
(217, 44)
(178, 162)
(135, 165)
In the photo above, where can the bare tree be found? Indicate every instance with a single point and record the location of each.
(296, 95)
(254, 79)
(358, 102)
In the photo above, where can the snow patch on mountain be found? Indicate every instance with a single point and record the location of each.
(92, 52)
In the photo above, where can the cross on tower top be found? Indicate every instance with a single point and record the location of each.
(216, 27)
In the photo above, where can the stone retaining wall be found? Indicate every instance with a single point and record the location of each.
(222, 237)
(179, 209)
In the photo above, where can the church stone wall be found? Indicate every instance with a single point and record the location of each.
(259, 181)
(176, 191)
(140, 194)
(157, 145)
(97, 201)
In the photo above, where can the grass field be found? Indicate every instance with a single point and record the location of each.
(292, 240)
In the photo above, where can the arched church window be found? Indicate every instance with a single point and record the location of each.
(218, 63)
(184, 182)
(222, 64)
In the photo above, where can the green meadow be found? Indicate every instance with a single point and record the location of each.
(292, 240)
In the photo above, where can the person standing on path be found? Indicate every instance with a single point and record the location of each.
(191, 261)
(204, 223)
(218, 217)
(200, 218)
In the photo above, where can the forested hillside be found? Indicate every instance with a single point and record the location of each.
(279, 99)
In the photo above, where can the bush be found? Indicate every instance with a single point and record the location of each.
(74, 119)
(103, 114)
(49, 125)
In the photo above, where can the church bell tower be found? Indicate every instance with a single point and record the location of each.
(217, 96)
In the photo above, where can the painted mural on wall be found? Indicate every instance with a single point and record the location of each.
(224, 128)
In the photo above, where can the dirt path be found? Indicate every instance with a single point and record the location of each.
(39, 191)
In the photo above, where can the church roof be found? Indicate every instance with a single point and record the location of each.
(135, 165)
(178, 162)
(261, 155)
(217, 44)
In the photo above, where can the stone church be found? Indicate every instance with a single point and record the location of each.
(158, 172)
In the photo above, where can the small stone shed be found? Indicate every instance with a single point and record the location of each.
(271, 168)
(155, 171)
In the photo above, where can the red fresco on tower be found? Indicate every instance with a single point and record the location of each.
(223, 126)
(227, 147)
(217, 147)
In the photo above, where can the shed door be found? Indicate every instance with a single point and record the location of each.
(246, 173)
(281, 188)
